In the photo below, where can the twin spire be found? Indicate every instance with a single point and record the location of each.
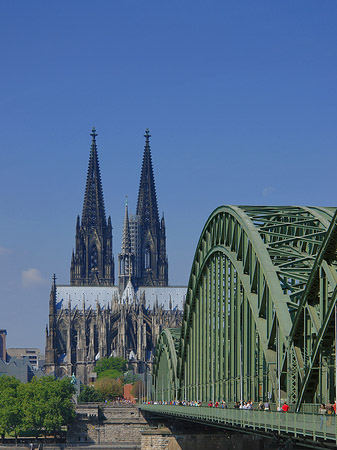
(92, 262)
(143, 253)
(93, 215)
(147, 206)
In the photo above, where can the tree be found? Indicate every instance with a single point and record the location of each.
(59, 409)
(111, 367)
(130, 377)
(109, 388)
(10, 406)
(89, 394)
(47, 405)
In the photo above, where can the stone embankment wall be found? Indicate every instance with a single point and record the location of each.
(201, 438)
(107, 425)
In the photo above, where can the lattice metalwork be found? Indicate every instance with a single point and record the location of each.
(259, 305)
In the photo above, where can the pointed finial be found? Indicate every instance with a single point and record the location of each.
(54, 282)
(126, 200)
(93, 134)
(147, 136)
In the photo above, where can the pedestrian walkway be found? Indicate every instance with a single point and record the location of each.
(314, 426)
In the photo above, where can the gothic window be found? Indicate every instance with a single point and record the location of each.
(147, 258)
(93, 257)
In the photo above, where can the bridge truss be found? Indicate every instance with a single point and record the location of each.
(259, 318)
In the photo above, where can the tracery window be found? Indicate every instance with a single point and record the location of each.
(147, 258)
(93, 257)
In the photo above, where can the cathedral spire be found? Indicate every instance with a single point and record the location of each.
(150, 257)
(126, 256)
(147, 207)
(126, 240)
(92, 263)
(93, 215)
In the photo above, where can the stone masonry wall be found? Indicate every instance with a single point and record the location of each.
(113, 425)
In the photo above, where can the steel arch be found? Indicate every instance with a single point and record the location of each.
(165, 365)
(248, 300)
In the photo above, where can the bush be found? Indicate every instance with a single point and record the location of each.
(109, 388)
(116, 364)
(89, 394)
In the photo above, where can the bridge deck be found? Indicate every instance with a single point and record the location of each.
(314, 426)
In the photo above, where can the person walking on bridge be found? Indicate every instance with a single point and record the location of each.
(285, 407)
(322, 411)
(329, 411)
(266, 406)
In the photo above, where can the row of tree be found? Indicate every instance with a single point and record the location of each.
(45, 405)
(42, 406)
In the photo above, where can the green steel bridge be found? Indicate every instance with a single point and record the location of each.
(259, 318)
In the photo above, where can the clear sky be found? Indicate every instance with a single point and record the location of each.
(240, 97)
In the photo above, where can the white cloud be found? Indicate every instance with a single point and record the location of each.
(5, 251)
(267, 191)
(33, 277)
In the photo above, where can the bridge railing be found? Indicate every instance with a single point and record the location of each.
(312, 426)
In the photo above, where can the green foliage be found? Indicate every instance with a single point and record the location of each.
(109, 388)
(130, 377)
(44, 405)
(89, 394)
(114, 364)
(11, 413)
(111, 373)
(47, 404)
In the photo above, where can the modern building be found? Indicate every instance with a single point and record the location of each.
(33, 355)
(93, 318)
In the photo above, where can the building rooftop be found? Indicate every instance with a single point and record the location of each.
(104, 295)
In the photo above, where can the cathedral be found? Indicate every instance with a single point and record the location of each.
(94, 318)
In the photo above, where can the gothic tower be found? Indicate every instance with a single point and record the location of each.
(92, 262)
(126, 257)
(153, 265)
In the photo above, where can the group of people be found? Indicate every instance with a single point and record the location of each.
(118, 402)
(262, 406)
(217, 404)
(327, 409)
(244, 405)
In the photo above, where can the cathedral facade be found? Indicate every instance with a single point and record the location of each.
(93, 318)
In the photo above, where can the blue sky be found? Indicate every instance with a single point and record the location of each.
(240, 98)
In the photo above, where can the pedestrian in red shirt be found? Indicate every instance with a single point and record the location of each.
(285, 407)
(334, 407)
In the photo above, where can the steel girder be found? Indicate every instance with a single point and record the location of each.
(248, 294)
(165, 365)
